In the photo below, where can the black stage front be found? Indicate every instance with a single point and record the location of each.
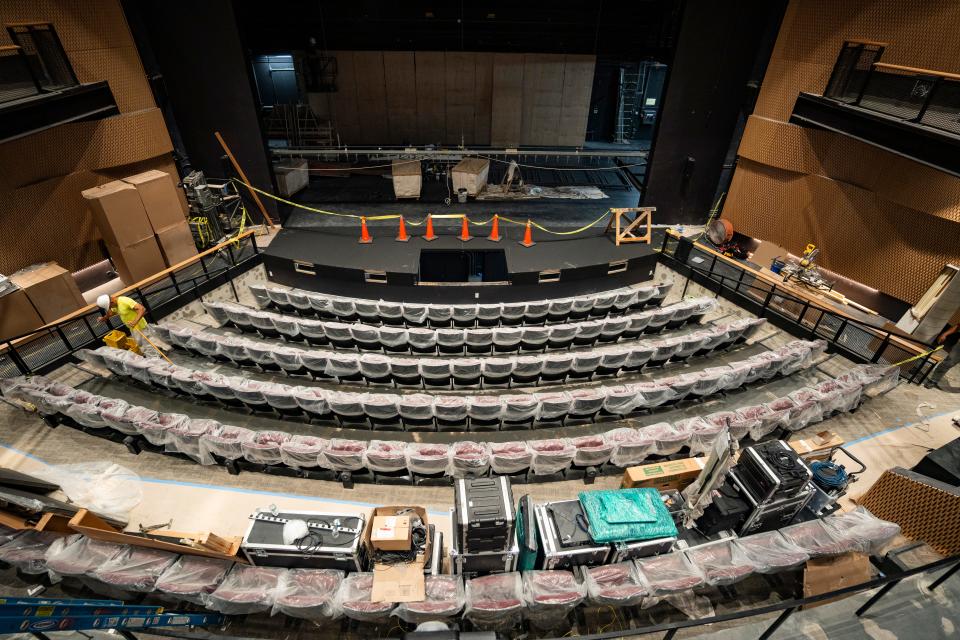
(455, 271)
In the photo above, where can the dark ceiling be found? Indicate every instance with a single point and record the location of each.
(616, 29)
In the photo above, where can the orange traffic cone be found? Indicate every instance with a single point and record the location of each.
(465, 230)
(402, 233)
(364, 234)
(430, 234)
(528, 236)
(495, 230)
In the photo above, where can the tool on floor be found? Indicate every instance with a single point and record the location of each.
(160, 351)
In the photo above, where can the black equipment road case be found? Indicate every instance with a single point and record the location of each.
(772, 514)
(772, 471)
(484, 562)
(728, 511)
(334, 541)
(564, 538)
(483, 514)
(622, 551)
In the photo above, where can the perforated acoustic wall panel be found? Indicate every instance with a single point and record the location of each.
(884, 220)
(43, 216)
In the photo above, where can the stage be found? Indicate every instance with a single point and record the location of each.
(450, 270)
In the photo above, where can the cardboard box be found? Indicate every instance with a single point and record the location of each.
(158, 193)
(292, 176)
(17, 315)
(399, 582)
(118, 213)
(817, 447)
(822, 575)
(51, 289)
(391, 533)
(406, 178)
(670, 474)
(137, 261)
(177, 243)
(470, 174)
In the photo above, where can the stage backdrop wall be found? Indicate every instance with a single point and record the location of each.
(422, 97)
(881, 219)
(42, 215)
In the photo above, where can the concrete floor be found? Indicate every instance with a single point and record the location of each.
(929, 616)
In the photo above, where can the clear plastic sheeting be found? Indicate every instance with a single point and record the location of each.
(621, 399)
(876, 379)
(592, 450)
(870, 533)
(630, 446)
(550, 596)
(668, 439)
(225, 442)
(445, 597)
(653, 394)
(770, 552)
(704, 433)
(416, 406)
(385, 456)
(185, 437)
(309, 594)
(469, 459)
(302, 451)
(80, 557)
(312, 400)
(453, 408)
(85, 411)
(778, 416)
(519, 408)
(721, 563)
(668, 574)
(125, 418)
(616, 585)
(510, 457)
(343, 455)
(427, 459)
(817, 539)
(104, 487)
(495, 602)
(551, 456)
(27, 551)
(192, 578)
(485, 408)
(135, 568)
(355, 592)
(246, 590)
(264, 447)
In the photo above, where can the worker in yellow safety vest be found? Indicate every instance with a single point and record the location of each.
(131, 314)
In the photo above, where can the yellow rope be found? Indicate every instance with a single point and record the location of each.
(918, 356)
(441, 216)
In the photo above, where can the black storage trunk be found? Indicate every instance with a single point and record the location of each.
(728, 511)
(773, 514)
(263, 543)
(483, 514)
(484, 562)
(772, 471)
(570, 546)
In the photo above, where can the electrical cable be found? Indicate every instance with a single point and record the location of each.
(490, 158)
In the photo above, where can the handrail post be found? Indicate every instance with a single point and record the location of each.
(17, 360)
(863, 87)
(928, 99)
(776, 623)
(146, 305)
(883, 347)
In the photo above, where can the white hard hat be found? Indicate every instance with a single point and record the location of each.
(104, 302)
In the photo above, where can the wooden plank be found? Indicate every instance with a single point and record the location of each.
(13, 521)
(460, 78)
(483, 98)
(345, 117)
(507, 99)
(400, 80)
(431, 96)
(371, 97)
(91, 526)
(575, 101)
(53, 523)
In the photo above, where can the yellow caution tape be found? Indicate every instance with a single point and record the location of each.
(918, 356)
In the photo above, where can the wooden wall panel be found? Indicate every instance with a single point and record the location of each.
(431, 97)
(575, 100)
(882, 219)
(371, 96)
(461, 96)
(507, 106)
(400, 76)
(483, 95)
(542, 98)
(346, 116)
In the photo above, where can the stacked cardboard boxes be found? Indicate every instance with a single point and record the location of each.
(43, 293)
(167, 215)
(119, 214)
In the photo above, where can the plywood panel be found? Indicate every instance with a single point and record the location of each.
(460, 80)
(400, 77)
(483, 98)
(542, 98)
(345, 115)
(371, 96)
(575, 100)
(431, 96)
(507, 102)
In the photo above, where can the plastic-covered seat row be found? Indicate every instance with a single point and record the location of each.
(491, 372)
(325, 306)
(444, 412)
(457, 340)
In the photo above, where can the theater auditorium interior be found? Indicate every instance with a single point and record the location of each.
(490, 320)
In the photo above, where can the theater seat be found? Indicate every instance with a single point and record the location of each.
(496, 372)
(485, 413)
(526, 371)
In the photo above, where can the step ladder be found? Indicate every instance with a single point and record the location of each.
(36, 615)
(627, 107)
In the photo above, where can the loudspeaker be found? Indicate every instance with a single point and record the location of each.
(942, 464)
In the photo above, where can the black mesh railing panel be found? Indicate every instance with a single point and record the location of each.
(45, 55)
(896, 94)
(943, 112)
(15, 79)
